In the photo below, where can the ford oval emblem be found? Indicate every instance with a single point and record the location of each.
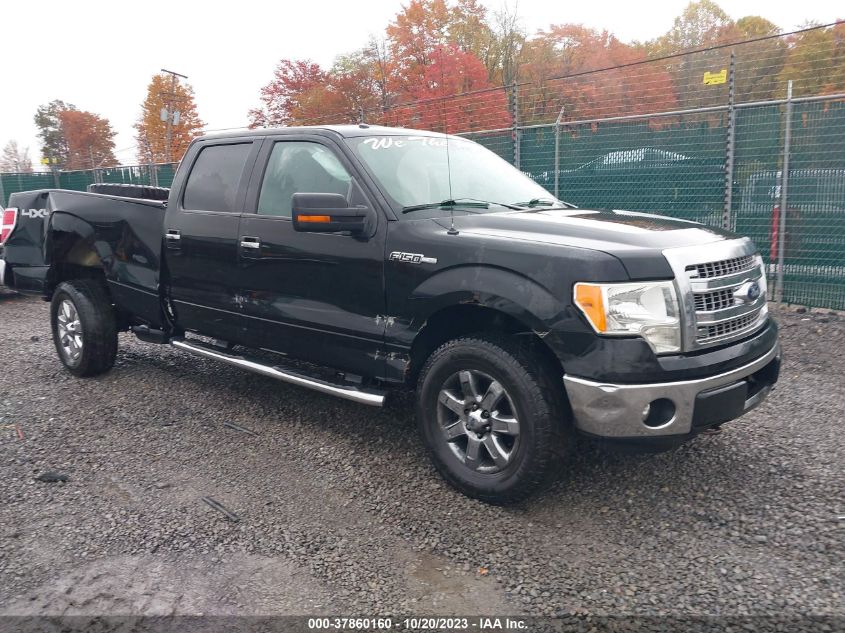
(748, 292)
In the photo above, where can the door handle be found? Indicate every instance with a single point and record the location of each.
(250, 247)
(173, 238)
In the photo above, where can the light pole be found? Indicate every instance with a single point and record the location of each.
(167, 113)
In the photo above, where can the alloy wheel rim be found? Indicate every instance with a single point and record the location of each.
(70, 332)
(478, 421)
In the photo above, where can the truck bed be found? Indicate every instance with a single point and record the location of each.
(124, 234)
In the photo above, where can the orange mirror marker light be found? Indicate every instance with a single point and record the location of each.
(315, 218)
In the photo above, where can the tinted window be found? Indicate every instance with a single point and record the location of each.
(300, 167)
(213, 181)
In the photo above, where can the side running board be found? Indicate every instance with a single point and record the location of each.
(355, 393)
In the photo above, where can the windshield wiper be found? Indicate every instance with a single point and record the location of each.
(545, 202)
(471, 203)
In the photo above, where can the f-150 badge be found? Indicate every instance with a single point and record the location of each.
(411, 258)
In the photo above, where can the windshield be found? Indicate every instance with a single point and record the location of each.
(414, 170)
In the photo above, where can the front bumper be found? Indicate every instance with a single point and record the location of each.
(674, 408)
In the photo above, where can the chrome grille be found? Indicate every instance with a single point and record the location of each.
(732, 326)
(721, 268)
(716, 291)
(720, 313)
(716, 300)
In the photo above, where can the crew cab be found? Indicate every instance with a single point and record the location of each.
(357, 260)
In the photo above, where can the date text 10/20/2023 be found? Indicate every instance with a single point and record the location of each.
(481, 624)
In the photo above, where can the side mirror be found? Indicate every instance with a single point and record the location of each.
(327, 213)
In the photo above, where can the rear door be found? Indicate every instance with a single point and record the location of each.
(201, 236)
(316, 296)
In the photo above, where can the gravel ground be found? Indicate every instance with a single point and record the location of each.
(340, 511)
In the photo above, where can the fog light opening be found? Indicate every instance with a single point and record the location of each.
(658, 413)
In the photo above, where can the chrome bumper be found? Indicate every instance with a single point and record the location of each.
(617, 411)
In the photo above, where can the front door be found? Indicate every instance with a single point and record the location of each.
(316, 296)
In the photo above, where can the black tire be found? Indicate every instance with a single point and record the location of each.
(96, 323)
(142, 192)
(533, 393)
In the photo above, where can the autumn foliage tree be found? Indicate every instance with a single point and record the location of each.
(151, 130)
(701, 25)
(356, 83)
(430, 50)
(288, 96)
(760, 63)
(415, 34)
(47, 120)
(454, 94)
(449, 64)
(816, 61)
(89, 138)
(73, 138)
(558, 63)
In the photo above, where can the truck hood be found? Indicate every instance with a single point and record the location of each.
(637, 239)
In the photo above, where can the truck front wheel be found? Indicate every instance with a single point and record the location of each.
(492, 417)
(84, 327)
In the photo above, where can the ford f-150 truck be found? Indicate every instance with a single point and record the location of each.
(354, 260)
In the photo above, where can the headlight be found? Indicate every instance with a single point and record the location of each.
(648, 309)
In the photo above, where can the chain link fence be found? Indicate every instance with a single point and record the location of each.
(155, 175)
(747, 136)
(674, 164)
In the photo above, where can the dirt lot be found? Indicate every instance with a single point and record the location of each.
(340, 511)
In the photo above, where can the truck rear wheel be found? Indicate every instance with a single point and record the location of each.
(489, 413)
(84, 327)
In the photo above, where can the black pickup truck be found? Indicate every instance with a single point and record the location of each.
(354, 260)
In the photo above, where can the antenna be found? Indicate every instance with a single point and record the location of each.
(452, 230)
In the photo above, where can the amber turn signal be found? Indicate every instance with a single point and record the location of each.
(589, 298)
(315, 218)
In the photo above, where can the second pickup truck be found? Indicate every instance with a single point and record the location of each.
(388, 258)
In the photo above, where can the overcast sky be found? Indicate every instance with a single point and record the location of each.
(100, 55)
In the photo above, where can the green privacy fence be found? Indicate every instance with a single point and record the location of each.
(675, 164)
(670, 163)
(814, 232)
(158, 175)
(677, 169)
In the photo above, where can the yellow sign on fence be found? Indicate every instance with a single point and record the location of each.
(712, 79)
